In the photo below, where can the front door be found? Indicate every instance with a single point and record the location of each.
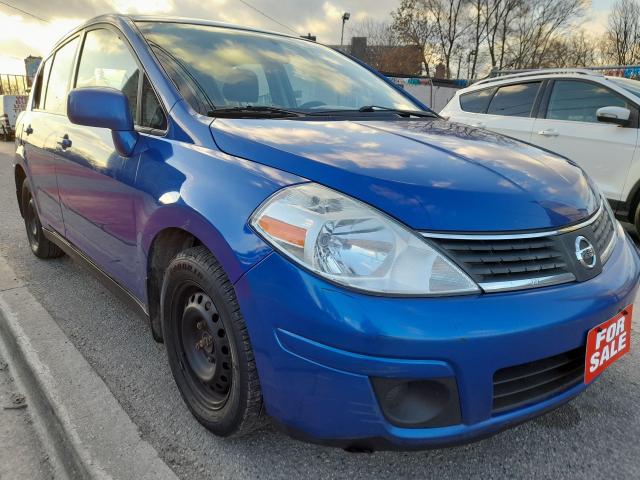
(95, 182)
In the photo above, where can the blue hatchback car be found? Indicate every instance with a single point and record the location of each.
(314, 245)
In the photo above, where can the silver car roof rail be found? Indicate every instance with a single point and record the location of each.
(527, 73)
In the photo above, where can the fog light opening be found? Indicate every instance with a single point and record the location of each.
(418, 403)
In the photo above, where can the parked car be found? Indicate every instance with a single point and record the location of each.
(583, 115)
(10, 107)
(314, 245)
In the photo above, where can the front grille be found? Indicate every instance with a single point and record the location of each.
(505, 260)
(532, 382)
(603, 230)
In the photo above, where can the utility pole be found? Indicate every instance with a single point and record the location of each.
(345, 16)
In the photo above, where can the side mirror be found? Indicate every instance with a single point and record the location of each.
(617, 115)
(105, 108)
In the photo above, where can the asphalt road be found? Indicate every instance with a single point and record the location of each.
(596, 435)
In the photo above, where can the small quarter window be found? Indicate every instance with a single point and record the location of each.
(514, 100)
(476, 102)
(152, 113)
(40, 85)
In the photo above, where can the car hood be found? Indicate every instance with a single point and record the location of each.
(430, 174)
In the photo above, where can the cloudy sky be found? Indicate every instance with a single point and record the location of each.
(24, 35)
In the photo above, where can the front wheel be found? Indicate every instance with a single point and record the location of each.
(208, 345)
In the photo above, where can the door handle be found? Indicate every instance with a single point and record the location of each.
(549, 133)
(478, 125)
(64, 142)
(28, 130)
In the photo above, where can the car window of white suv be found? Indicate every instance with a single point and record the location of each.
(579, 101)
(514, 100)
(476, 102)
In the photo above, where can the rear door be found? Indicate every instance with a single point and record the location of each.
(38, 134)
(507, 109)
(569, 127)
(511, 109)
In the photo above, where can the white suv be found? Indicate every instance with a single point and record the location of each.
(588, 117)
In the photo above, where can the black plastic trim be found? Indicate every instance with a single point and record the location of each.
(113, 285)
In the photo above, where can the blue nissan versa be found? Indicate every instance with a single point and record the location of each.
(310, 242)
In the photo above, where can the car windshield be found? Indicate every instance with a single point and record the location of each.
(218, 67)
(629, 85)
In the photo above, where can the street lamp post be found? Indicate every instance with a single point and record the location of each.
(345, 17)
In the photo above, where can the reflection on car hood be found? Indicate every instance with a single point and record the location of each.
(432, 175)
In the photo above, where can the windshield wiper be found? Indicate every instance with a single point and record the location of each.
(407, 113)
(252, 111)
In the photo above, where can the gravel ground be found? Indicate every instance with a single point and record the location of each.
(594, 436)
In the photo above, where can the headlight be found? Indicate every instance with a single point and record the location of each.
(349, 242)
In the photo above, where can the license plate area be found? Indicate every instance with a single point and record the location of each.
(607, 343)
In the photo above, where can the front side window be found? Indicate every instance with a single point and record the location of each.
(514, 100)
(60, 78)
(476, 102)
(107, 62)
(215, 67)
(579, 101)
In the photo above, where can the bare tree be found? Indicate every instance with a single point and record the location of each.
(536, 24)
(497, 16)
(623, 33)
(450, 25)
(412, 26)
(477, 34)
(576, 50)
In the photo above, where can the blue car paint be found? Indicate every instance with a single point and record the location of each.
(432, 175)
(317, 350)
(317, 344)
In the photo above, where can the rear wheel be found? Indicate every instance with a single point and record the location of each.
(40, 245)
(208, 345)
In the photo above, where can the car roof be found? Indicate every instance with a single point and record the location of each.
(118, 19)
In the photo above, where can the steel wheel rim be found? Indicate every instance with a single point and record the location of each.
(205, 350)
(32, 223)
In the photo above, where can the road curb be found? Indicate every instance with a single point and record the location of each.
(85, 429)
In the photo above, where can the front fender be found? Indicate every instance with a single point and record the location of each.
(210, 195)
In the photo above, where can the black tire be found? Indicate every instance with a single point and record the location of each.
(40, 245)
(208, 345)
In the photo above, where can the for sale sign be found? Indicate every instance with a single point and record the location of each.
(606, 343)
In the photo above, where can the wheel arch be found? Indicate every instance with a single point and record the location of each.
(20, 176)
(172, 229)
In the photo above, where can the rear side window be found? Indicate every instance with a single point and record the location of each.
(60, 78)
(579, 101)
(476, 102)
(40, 86)
(514, 100)
(107, 62)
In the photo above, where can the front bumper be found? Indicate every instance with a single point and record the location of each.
(318, 346)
